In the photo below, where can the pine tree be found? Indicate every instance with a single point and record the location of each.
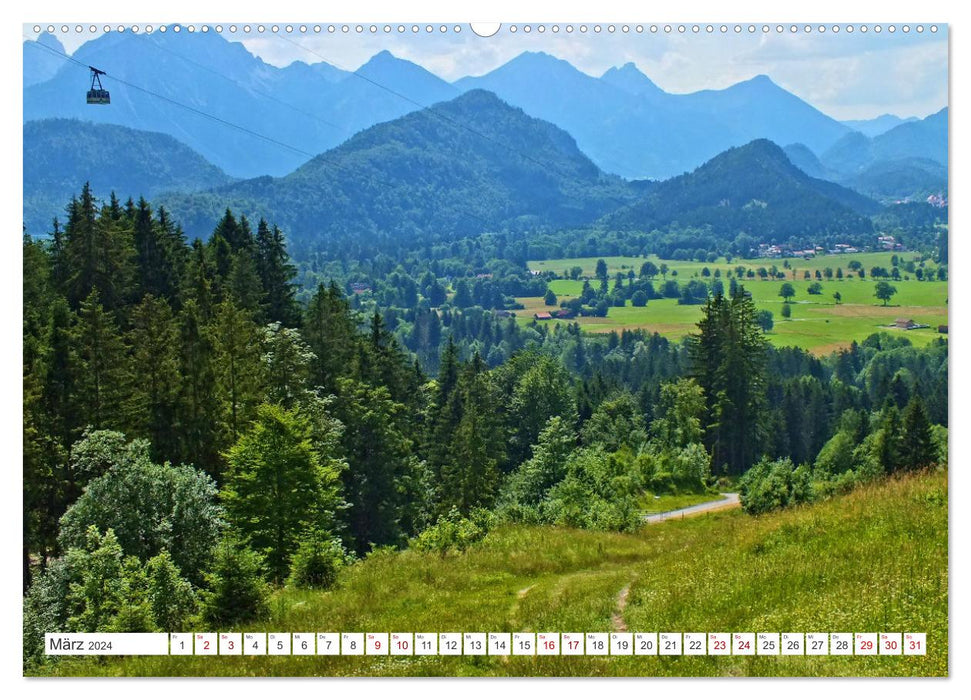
(329, 330)
(471, 477)
(917, 449)
(200, 280)
(729, 362)
(463, 297)
(381, 480)
(242, 286)
(889, 446)
(275, 272)
(99, 366)
(158, 272)
(199, 401)
(98, 254)
(239, 367)
(236, 234)
(155, 367)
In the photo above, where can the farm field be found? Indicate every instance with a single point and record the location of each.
(817, 323)
(687, 268)
(873, 560)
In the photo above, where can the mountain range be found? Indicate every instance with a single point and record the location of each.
(908, 161)
(61, 154)
(461, 167)
(467, 166)
(367, 165)
(621, 120)
(877, 125)
(215, 95)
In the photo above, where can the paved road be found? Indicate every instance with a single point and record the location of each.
(728, 500)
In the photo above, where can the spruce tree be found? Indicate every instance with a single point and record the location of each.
(917, 448)
(471, 477)
(239, 368)
(889, 446)
(276, 272)
(329, 330)
(199, 399)
(155, 368)
(99, 366)
(729, 361)
(381, 480)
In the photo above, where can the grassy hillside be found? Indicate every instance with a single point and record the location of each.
(874, 560)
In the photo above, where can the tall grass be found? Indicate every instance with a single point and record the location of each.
(874, 560)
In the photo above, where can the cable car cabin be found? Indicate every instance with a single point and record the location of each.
(97, 95)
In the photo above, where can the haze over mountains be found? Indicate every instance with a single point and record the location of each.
(309, 107)
(481, 154)
(906, 161)
(476, 164)
(622, 120)
(465, 166)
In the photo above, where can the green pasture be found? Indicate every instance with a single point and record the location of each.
(817, 323)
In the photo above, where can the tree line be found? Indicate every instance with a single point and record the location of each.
(194, 433)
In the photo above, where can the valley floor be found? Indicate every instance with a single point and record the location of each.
(817, 324)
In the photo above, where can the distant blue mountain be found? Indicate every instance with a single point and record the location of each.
(629, 126)
(310, 107)
(39, 63)
(925, 138)
(877, 125)
(802, 157)
(621, 120)
(630, 79)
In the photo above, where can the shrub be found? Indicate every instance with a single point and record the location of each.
(98, 451)
(317, 561)
(452, 532)
(771, 485)
(837, 455)
(599, 493)
(95, 588)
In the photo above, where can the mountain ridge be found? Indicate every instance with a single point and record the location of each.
(60, 155)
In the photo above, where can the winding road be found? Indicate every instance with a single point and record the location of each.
(728, 500)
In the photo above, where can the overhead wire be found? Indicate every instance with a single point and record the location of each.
(319, 157)
(250, 88)
(429, 108)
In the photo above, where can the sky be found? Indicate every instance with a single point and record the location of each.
(846, 75)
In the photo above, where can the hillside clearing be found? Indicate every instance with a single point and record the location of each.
(874, 560)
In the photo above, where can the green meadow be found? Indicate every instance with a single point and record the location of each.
(874, 560)
(687, 268)
(817, 324)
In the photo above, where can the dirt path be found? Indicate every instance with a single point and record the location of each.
(728, 500)
(618, 616)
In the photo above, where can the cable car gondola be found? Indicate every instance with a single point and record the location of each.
(97, 95)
